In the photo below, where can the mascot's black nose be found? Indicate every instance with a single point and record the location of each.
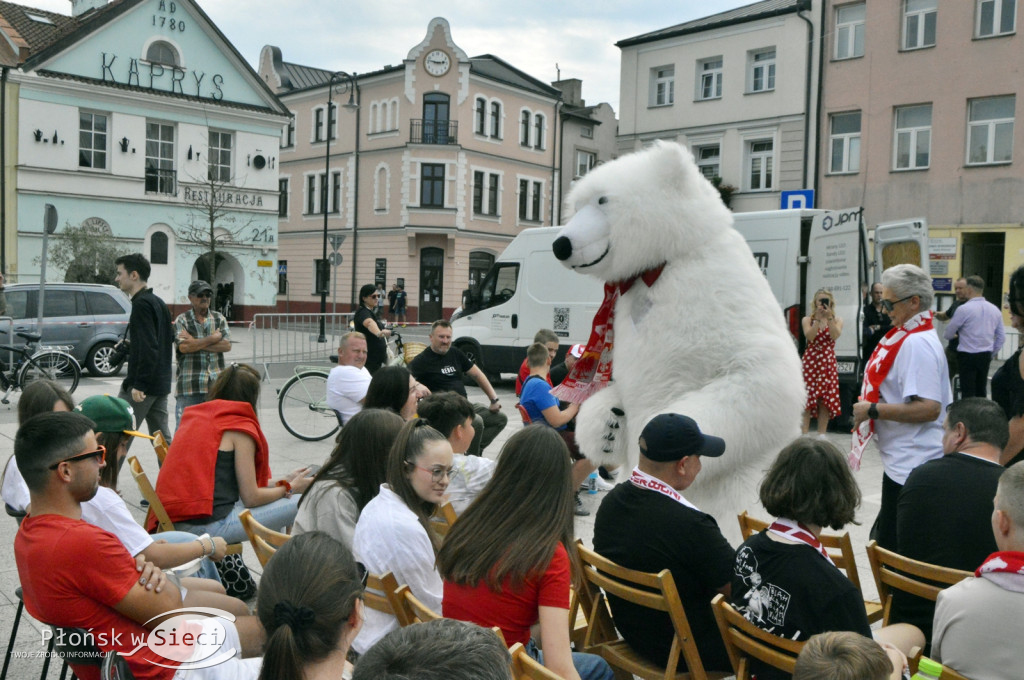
(562, 248)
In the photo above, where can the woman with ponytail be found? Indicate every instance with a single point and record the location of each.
(394, 533)
(310, 621)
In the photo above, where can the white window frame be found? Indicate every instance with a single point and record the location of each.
(704, 162)
(94, 149)
(585, 162)
(708, 74)
(535, 189)
(850, 142)
(912, 133)
(767, 168)
(663, 85)
(998, 8)
(220, 167)
(846, 33)
(495, 119)
(921, 15)
(766, 66)
(480, 116)
(284, 210)
(540, 131)
(381, 189)
(317, 127)
(488, 208)
(992, 125)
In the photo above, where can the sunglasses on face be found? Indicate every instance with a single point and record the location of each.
(100, 452)
(207, 294)
(437, 473)
(888, 305)
(362, 573)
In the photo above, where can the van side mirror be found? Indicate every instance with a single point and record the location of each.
(470, 301)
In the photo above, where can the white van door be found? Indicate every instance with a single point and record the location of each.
(901, 242)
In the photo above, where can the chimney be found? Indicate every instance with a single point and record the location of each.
(572, 91)
(80, 7)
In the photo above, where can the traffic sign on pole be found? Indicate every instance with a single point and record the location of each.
(336, 241)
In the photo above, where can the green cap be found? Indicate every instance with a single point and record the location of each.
(110, 414)
(930, 667)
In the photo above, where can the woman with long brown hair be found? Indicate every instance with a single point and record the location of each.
(394, 533)
(351, 477)
(506, 562)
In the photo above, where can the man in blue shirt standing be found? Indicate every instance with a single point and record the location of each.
(979, 325)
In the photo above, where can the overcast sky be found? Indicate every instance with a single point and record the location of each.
(532, 35)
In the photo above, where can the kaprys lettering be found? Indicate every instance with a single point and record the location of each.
(161, 77)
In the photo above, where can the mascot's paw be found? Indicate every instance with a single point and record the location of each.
(601, 429)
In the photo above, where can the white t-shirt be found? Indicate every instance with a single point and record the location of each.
(346, 388)
(106, 509)
(919, 370)
(470, 476)
(388, 537)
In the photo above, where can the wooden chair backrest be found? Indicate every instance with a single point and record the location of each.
(264, 541)
(525, 667)
(380, 592)
(156, 508)
(839, 546)
(914, 659)
(523, 413)
(654, 591)
(409, 609)
(743, 641)
(444, 517)
(893, 571)
(160, 446)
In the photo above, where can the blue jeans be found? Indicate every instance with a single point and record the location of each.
(276, 516)
(207, 569)
(589, 666)
(182, 401)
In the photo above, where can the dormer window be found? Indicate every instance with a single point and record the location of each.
(162, 52)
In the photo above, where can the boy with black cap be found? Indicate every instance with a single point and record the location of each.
(647, 525)
(201, 337)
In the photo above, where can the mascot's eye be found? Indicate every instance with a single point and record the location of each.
(602, 200)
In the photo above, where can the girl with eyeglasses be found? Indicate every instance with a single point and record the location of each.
(394, 530)
(310, 603)
(822, 328)
(508, 561)
(367, 323)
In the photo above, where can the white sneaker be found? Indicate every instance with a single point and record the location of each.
(603, 485)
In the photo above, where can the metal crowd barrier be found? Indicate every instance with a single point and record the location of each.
(294, 338)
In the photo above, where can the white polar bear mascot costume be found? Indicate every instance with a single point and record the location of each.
(689, 325)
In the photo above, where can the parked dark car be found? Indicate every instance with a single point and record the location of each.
(88, 317)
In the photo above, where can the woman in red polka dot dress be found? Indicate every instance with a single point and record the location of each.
(821, 376)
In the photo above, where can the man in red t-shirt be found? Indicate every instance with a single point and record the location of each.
(76, 575)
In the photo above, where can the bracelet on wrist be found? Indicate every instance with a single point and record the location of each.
(495, 400)
(287, 487)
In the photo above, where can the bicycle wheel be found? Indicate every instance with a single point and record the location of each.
(302, 405)
(60, 367)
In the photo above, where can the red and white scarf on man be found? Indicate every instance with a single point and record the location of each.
(1005, 569)
(876, 371)
(643, 480)
(593, 371)
(798, 532)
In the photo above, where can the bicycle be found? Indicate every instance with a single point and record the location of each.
(50, 362)
(302, 401)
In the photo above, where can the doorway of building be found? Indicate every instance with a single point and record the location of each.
(435, 118)
(983, 255)
(431, 284)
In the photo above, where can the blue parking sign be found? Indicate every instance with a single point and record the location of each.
(797, 200)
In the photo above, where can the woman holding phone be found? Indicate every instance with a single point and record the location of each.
(821, 376)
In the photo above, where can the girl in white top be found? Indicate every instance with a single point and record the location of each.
(351, 477)
(393, 532)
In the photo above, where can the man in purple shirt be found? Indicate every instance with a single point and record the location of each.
(979, 325)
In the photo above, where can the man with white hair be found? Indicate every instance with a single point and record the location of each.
(348, 382)
(979, 326)
(905, 391)
(979, 622)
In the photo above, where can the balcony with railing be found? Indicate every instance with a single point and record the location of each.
(161, 181)
(433, 131)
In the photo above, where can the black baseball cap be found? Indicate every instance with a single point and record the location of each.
(199, 286)
(671, 436)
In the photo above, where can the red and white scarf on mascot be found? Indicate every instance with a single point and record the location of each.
(643, 480)
(593, 371)
(798, 532)
(1005, 569)
(877, 369)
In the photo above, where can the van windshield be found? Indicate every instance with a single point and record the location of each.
(499, 285)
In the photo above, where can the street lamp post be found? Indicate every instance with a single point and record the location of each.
(350, 84)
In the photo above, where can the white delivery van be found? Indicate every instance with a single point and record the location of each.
(526, 289)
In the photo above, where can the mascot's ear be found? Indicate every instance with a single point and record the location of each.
(670, 162)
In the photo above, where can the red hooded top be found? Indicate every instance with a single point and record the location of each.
(185, 484)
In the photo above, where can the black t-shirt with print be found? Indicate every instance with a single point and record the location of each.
(793, 592)
(441, 372)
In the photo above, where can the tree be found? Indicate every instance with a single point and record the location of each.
(86, 252)
(724, 190)
(213, 220)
